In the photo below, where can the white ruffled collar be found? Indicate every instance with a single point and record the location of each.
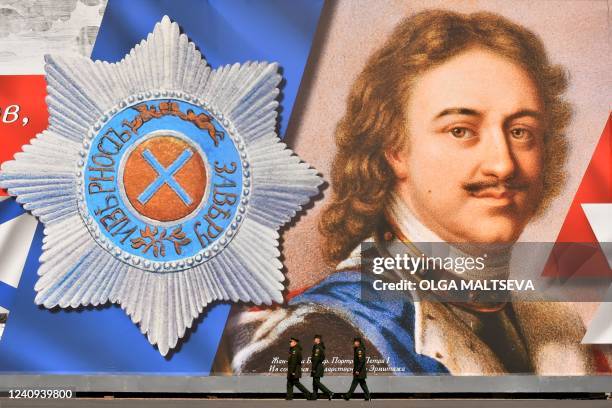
(497, 266)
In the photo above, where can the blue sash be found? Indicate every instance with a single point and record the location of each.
(388, 325)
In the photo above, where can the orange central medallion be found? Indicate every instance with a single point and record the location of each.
(165, 178)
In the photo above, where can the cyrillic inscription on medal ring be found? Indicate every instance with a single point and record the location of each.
(164, 184)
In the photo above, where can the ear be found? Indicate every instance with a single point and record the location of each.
(398, 160)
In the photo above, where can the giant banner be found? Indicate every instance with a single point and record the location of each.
(213, 188)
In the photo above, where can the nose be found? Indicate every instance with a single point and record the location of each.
(497, 156)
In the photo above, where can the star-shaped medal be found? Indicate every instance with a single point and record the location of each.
(161, 183)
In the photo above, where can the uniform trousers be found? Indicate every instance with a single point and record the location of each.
(317, 385)
(295, 382)
(362, 383)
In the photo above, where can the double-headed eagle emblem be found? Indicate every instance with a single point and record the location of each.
(162, 184)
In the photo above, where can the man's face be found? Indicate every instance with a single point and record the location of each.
(317, 340)
(356, 344)
(292, 343)
(472, 167)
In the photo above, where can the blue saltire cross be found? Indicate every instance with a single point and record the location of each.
(166, 176)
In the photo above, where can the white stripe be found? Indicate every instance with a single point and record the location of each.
(600, 328)
(2, 198)
(15, 239)
(600, 216)
(2, 311)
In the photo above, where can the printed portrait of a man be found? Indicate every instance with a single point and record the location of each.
(454, 131)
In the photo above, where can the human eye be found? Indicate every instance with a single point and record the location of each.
(460, 132)
(521, 134)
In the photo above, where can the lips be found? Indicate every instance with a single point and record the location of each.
(496, 193)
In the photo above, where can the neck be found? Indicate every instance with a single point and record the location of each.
(410, 228)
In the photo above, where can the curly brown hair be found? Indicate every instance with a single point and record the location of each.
(362, 180)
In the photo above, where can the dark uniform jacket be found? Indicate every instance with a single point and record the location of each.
(295, 362)
(359, 362)
(318, 356)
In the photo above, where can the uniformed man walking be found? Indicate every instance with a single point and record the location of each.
(359, 370)
(317, 368)
(294, 372)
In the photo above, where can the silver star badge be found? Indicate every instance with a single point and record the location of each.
(161, 183)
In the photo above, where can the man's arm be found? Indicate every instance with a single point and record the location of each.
(316, 359)
(361, 363)
(298, 363)
(293, 364)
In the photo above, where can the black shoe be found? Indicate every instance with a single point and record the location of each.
(367, 398)
(313, 397)
(330, 396)
(346, 397)
(288, 399)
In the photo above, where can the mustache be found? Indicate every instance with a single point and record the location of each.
(479, 185)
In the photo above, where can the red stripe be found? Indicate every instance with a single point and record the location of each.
(602, 366)
(595, 187)
(28, 92)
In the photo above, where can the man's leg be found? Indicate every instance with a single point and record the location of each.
(364, 387)
(301, 387)
(349, 394)
(289, 389)
(315, 387)
(323, 387)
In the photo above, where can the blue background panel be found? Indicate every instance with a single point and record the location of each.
(104, 339)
